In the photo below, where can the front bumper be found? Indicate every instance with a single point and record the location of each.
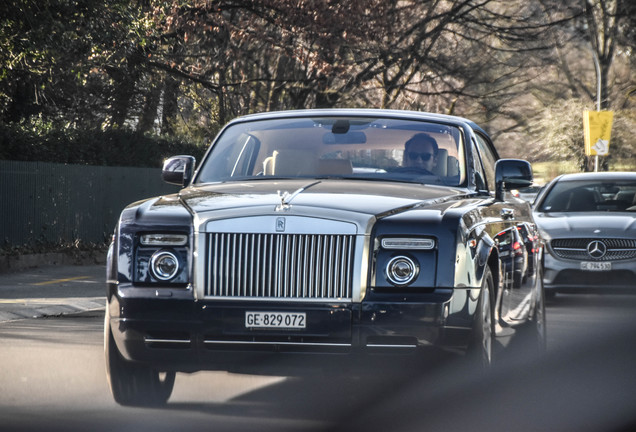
(177, 333)
(561, 275)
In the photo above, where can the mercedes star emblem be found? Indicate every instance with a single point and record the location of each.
(596, 249)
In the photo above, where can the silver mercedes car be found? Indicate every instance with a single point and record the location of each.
(588, 221)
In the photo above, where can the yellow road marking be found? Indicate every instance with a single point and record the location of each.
(61, 280)
(29, 300)
(49, 300)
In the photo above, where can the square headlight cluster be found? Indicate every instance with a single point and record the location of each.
(162, 258)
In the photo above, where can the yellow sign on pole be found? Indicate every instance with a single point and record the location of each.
(597, 126)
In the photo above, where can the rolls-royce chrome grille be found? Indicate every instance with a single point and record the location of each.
(603, 249)
(279, 266)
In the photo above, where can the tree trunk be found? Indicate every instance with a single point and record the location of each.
(126, 79)
(169, 111)
(149, 114)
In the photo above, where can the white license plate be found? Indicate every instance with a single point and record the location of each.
(596, 266)
(290, 320)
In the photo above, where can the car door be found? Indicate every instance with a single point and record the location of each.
(516, 277)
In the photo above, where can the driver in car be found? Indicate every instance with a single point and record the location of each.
(421, 152)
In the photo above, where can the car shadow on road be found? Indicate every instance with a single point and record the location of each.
(325, 398)
(591, 300)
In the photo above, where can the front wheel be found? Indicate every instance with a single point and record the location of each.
(134, 384)
(481, 348)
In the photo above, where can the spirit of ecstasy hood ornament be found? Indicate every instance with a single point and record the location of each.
(286, 197)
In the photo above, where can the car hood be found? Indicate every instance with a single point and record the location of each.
(597, 224)
(370, 198)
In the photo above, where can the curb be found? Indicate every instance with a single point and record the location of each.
(48, 308)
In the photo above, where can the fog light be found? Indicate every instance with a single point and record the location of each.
(164, 265)
(401, 270)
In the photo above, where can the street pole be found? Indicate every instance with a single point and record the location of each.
(598, 95)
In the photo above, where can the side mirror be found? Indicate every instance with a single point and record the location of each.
(511, 174)
(178, 170)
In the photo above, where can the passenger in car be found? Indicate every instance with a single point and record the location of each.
(421, 152)
(582, 200)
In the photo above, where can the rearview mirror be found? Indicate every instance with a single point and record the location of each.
(351, 137)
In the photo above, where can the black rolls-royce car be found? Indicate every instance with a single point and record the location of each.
(320, 233)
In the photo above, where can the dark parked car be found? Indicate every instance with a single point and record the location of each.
(318, 234)
(528, 193)
(513, 255)
(530, 237)
(588, 221)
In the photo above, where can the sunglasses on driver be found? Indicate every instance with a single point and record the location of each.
(424, 156)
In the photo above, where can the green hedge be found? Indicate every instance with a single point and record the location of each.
(46, 143)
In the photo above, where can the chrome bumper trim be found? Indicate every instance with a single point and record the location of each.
(170, 341)
(214, 342)
(409, 346)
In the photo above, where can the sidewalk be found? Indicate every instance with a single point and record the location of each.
(52, 291)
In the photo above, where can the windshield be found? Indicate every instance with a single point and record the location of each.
(337, 147)
(590, 195)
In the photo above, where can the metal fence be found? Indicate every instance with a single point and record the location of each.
(52, 203)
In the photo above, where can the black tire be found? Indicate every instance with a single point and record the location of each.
(134, 384)
(537, 334)
(482, 346)
(530, 340)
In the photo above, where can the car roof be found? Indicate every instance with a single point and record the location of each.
(361, 112)
(601, 176)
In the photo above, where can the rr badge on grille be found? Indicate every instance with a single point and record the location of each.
(280, 224)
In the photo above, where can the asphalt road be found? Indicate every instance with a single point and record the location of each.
(51, 291)
(52, 376)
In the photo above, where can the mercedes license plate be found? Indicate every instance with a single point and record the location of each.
(596, 266)
(283, 320)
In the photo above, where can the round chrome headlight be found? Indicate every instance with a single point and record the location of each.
(164, 265)
(401, 270)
